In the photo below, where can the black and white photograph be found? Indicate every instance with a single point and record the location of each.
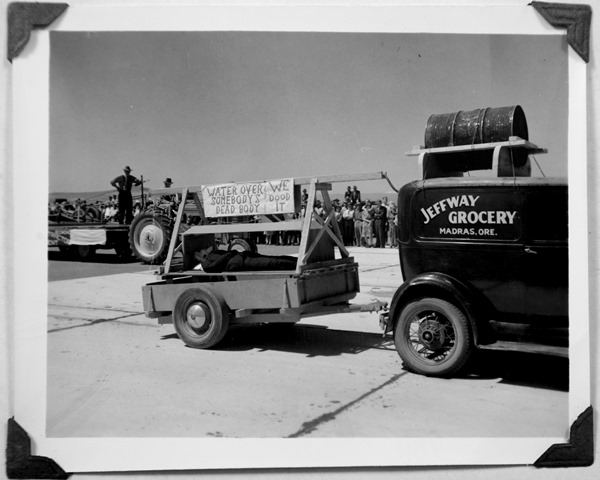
(300, 236)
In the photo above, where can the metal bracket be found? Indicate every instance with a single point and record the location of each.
(576, 18)
(22, 17)
(19, 461)
(579, 452)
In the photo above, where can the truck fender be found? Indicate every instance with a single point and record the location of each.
(435, 284)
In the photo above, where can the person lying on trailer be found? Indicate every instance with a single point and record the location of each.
(213, 260)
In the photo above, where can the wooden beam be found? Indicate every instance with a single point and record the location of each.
(285, 225)
(308, 216)
(337, 238)
(175, 234)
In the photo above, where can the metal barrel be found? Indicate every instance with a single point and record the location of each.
(484, 125)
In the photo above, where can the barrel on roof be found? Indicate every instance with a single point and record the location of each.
(484, 125)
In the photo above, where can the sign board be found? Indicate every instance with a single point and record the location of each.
(249, 198)
(481, 215)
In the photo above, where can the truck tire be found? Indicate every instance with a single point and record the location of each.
(149, 237)
(433, 337)
(200, 317)
(123, 250)
(84, 252)
(93, 214)
(242, 245)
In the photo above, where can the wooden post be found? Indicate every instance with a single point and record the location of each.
(175, 234)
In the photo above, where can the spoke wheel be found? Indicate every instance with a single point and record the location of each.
(200, 317)
(242, 245)
(432, 337)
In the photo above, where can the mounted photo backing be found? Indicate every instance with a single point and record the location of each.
(32, 64)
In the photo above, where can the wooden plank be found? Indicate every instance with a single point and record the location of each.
(284, 225)
(341, 177)
(337, 238)
(307, 224)
(256, 273)
(199, 206)
(514, 142)
(175, 235)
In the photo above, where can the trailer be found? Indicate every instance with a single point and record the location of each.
(202, 305)
(83, 239)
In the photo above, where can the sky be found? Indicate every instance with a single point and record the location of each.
(214, 107)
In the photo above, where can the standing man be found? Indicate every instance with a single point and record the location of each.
(123, 184)
(348, 196)
(355, 195)
(379, 224)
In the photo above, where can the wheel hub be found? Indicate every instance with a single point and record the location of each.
(151, 239)
(432, 334)
(198, 316)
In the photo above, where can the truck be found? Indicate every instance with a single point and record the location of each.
(484, 260)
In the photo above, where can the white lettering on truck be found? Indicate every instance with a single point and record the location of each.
(456, 217)
(494, 217)
(448, 203)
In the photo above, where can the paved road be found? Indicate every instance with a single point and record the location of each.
(114, 372)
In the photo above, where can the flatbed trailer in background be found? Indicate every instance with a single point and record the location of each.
(83, 239)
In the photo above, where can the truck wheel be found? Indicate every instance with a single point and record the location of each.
(92, 214)
(84, 252)
(242, 245)
(123, 251)
(201, 318)
(149, 237)
(432, 337)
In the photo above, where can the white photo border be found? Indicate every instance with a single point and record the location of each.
(31, 153)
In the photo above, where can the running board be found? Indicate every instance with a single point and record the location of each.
(527, 348)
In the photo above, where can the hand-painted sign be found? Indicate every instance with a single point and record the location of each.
(489, 215)
(251, 198)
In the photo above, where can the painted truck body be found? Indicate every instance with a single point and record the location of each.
(496, 250)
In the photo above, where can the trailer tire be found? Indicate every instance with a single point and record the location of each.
(200, 317)
(149, 237)
(433, 337)
(242, 245)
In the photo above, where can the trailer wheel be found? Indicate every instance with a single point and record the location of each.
(433, 338)
(149, 237)
(242, 245)
(200, 317)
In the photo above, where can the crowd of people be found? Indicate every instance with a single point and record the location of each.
(365, 223)
(371, 224)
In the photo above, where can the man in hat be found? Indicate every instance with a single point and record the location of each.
(170, 200)
(123, 184)
(213, 260)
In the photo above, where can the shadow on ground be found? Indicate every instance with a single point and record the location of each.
(309, 340)
(520, 368)
(103, 256)
(517, 368)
